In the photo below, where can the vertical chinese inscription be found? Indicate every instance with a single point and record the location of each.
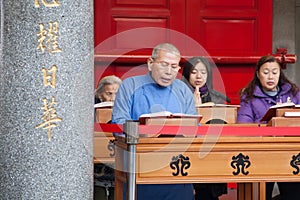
(48, 41)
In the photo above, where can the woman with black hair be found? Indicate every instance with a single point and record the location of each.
(268, 87)
(197, 74)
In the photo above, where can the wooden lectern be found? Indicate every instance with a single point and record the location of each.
(281, 120)
(213, 158)
(104, 147)
(103, 115)
(228, 114)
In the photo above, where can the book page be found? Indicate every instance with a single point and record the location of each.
(212, 104)
(107, 104)
(282, 105)
(226, 105)
(156, 114)
(182, 115)
(207, 104)
(292, 114)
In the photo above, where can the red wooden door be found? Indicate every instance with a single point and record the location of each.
(128, 29)
(232, 28)
(115, 16)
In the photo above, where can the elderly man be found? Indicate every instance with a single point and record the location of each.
(159, 90)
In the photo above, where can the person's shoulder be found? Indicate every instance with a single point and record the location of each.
(243, 97)
(179, 82)
(180, 85)
(130, 84)
(182, 88)
(218, 97)
(133, 79)
(285, 87)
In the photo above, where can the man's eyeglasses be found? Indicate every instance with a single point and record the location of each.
(165, 65)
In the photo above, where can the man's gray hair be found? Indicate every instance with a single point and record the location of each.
(165, 47)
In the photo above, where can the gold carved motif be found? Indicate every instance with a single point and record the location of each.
(53, 3)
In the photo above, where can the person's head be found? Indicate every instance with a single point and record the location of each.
(197, 72)
(268, 72)
(108, 88)
(164, 64)
(268, 75)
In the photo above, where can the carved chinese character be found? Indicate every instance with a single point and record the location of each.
(42, 37)
(49, 117)
(50, 77)
(53, 3)
(47, 39)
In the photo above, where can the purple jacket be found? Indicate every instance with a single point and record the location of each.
(253, 110)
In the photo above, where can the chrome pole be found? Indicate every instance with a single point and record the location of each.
(130, 129)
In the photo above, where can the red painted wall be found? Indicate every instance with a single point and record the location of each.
(217, 28)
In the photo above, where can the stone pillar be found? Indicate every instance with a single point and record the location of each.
(284, 33)
(46, 101)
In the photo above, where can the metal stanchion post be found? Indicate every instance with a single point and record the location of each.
(130, 129)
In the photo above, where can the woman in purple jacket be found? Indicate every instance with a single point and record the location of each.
(268, 87)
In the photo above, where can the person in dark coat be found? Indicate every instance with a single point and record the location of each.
(197, 74)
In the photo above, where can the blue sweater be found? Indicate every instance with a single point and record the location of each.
(140, 95)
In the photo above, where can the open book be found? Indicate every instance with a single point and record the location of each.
(106, 104)
(271, 112)
(167, 114)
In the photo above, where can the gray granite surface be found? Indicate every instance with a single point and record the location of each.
(32, 165)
